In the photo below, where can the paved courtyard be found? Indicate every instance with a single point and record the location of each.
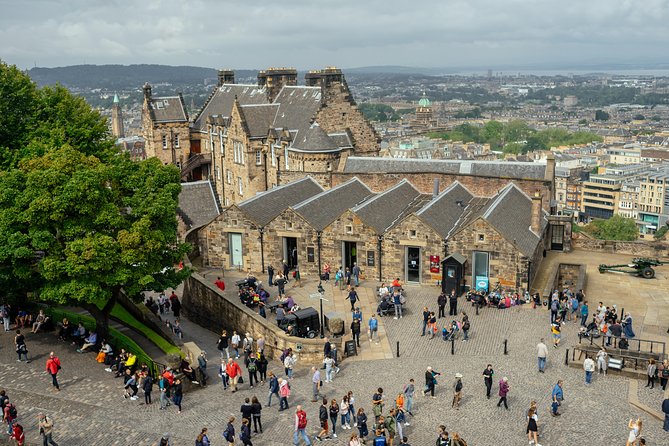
(90, 408)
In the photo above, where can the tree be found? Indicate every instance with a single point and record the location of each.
(660, 233)
(79, 222)
(516, 131)
(492, 133)
(601, 115)
(583, 121)
(615, 228)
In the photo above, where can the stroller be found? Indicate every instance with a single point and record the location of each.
(452, 334)
(591, 331)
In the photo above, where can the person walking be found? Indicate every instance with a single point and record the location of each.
(585, 312)
(20, 344)
(373, 328)
(556, 331)
(233, 371)
(665, 409)
(4, 314)
(223, 345)
(355, 272)
(557, 396)
(352, 297)
(488, 374)
(465, 326)
(426, 319)
(453, 304)
(256, 413)
(650, 372)
(315, 384)
(229, 432)
(53, 367)
(178, 391)
(635, 431)
(355, 330)
(441, 303)
(147, 387)
(245, 434)
(270, 275)
(409, 390)
(542, 353)
(284, 393)
(532, 427)
(300, 427)
(397, 303)
(273, 388)
(663, 373)
(589, 367)
(504, 388)
(46, 430)
(457, 391)
(602, 360)
(430, 381)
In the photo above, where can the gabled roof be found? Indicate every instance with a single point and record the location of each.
(315, 140)
(222, 98)
(168, 109)
(259, 118)
(266, 206)
(511, 215)
(297, 108)
(324, 208)
(385, 209)
(197, 203)
(497, 169)
(444, 211)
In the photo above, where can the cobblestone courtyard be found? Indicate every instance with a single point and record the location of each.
(90, 408)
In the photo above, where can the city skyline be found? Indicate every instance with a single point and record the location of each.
(436, 34)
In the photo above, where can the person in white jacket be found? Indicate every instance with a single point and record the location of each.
(289, 363)
(589, 367)
(602, 360)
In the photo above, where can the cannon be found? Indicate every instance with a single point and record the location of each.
(640, 266)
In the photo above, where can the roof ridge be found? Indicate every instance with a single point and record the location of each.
(404, 180)
(500, 195)
(443, 193)
(274, 189)
(327, 191)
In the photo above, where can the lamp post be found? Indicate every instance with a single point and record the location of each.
(321, 291)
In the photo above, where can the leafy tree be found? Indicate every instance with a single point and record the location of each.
(516, 148)
(601, 115)
(660, 233)
(615, 228)
(639, 117)
(492, 132)
(583, 122)
(516, 131)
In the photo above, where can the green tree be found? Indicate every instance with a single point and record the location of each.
(516, 131)
(492, 133)
(660, 233)
(583, 121)
(615, 228)
(601, 115)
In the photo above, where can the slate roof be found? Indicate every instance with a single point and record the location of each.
(343, 140)
(314, 139)
(266, 206)
(168, 109)
(324, 208)
(297, 108)
(444, 211)
(511, 215)
(385, 209)
(259, 118)
(497, 169)
(223, 97)
(197, 203)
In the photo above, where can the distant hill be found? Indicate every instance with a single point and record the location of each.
(122, 77)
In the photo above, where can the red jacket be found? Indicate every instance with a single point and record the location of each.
(52, 365)
(220, 284)
(233, 369)
(18, 434)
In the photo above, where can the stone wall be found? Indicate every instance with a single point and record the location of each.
(290, 224)
(636, 249)
(322, 178)
(214, 240)
(205, 305)
(349, 227)
(424, 182)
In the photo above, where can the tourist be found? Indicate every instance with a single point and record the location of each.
(223, 345)
(665, 409)
(557, 396)
(235, 340)
(426, 319)
(456, 440)
(164, 386)
(355, 328)
(409, 390)
(532, 428)
(329, 368)
(284, 393)
(246, 410)
(20, 344)
(430, 381)
(323, 419)
(361, 421)
(457, 391)
(289, 363)
(18, 435)
(202, 368)
(635, 431)
(344, 413)
(380, 438)
(220, 284)
(256, 412)
(453, 304)
(281, 281)
(9, 414)
(627, 326)
(442, 438)
(229, 432)
(300, 427)
(347, 276)
(352, 297)
(245, 434)
(584, 313)
(488, 374)
(273, 388)
(46, 429)
(465, 326)
(53, 367)
(377, 404)
(39, 321)
(663, 373)
(504, 388)
(223, 374)
(389, 422)
(5, 311)
(650, 373)
(373, 328)
(602, 360)
(555, 331)
(252, 369)
(178, 394)
(147, 388)
(234, 372)
(315, 383)
(589, 367)
(441, 303)
(354, 440)
(355, 272)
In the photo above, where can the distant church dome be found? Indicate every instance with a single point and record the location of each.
(424, 101)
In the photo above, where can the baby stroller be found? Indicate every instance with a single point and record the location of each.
(385, 307)
(591, 331)
(447, 335)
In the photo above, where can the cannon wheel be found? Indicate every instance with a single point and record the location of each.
(648, 273)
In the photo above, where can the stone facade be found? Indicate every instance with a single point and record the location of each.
(290, 224)
(350, 228)
(207, 306)
(215, 240)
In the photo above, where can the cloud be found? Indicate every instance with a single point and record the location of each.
(347, 33)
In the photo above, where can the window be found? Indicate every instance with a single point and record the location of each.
(289, 225)
(218, 173)
(164, 141)
(241, 153)
(220, 142)
(228, 175)
(176, 141)
(412, 233)
(235, 223)
(258, 157)
(285, 155)
(273, 158)
(241, 186)
(481, 238)
(349, 229)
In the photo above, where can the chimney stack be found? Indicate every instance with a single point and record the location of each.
(274, 79)
(435, 188)
(226, 77)
(535, 222)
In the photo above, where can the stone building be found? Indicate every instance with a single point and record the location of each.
(246, 137)
(398, 232)
(117, 119)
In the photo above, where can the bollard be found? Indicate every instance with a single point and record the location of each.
(398, 349)
(477, 312)
(506, 352)
(452, 346)
(566, 357)
(591, 338)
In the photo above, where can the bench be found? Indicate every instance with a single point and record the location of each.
(617, 354)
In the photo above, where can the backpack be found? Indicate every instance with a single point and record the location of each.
(301, 419)
(252, 366)
(554, 305)
(12, 411)
(665, 373)
(199, 443)
(458, 386)
(228, 435)
(466, 326)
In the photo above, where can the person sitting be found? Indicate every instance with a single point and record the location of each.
(116, 362)
(105, 352)
(78, 335)
(290, 330)
(187, 370)
(64, 329)
(89, 342)
(383, 290)
(39, 321)
(22, 317)
(290, 302)
(127, 364)
(294, 308)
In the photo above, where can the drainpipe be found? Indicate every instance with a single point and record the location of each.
(262, 250)
(318, 239)
(529, 276)
(264, 154)
(380, 240)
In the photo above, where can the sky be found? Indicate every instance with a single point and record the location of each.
(253, 34)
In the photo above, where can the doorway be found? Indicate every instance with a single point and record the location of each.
(290, 251)
(413, 264)
(480, 273)
(235, 244)
(349, 254)
(557, 237)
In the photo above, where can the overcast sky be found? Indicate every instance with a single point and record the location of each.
(346, 33)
